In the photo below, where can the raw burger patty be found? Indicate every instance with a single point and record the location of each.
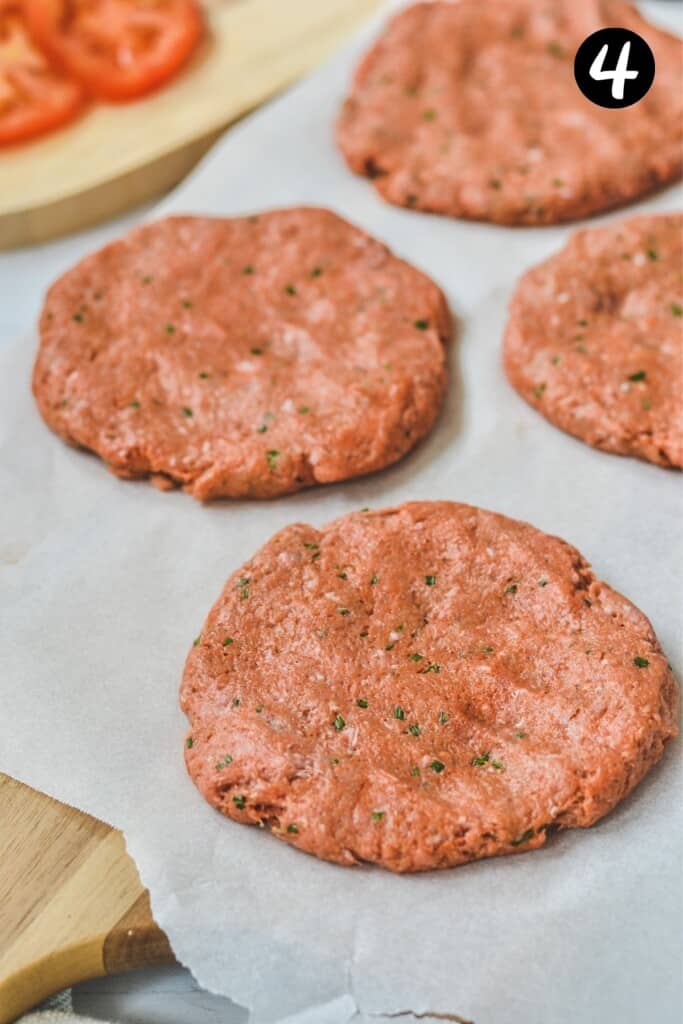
(246, 357)
(471, 109)
(595, 339)
(422, 686)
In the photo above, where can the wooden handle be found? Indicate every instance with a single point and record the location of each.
(72, 906)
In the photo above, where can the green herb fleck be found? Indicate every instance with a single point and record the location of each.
(236, 702)
(415, 771)
(374, 579)
(197, 640)
(428, 115)
(477, 762)
(646, 404)
(135, 404)
(511, 588)
(417, 657)
(261, 429)
(641, 662)
(339, 723)
(334, 760)
(316, 272)
(342, 576)
(293, 829)
(303, 409)
(520, 735)
(377, 815)
(147, 279)
(538, 390)
(243, 586)
(556, 360)
(437, 766)
(543, 582)
(272, 455)
(189, 743)
(344, 611)
(256, 351)
(186, 411)
(431, 667)
(557, 182)
(203, 375)
(495, 183)
(290, 289)
(228, 640)
(310, 545)
(653, 255)
(389, 647)
(186, 304)
(239, 801)
(399, 713)
(224, 762)
(555, 49)
(422, 325)
(430, 581)
(362, 703)
(498, 765)
(443, 718)
(259, 709)
(170, 328)
(248, 269)
(524, 838)
(414, 729)
(487, 650)
(676, 309)
(640, 375)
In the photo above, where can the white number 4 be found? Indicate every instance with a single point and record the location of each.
(620, 73)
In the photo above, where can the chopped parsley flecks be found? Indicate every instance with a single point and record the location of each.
(189, 743)
(640, 662)
(342, 576)
(443, 718)
(639, 375)
(290, 289)
(79, 318)
(364, 634)
(197, 640)
(311, 546)
(243, 586)
(344, 611)
(239, 801)
(537, 392)
(415, 771)
(170, 328)
(556, 360)
(321, 633)
(259, 709)
(224, 762)
(147, 279)
(186, 303)
(433, 666)
(203, 375)
(374, 579)
(334, 760)
(293, 829)
(261, 429)
(520, 735)
(646, 404)
(543, 582)
(437, 766)
(187, 412)
(377, 815)
(399, 713)
(555, 49)
(558, 183)
(487, 650)
(524, 838)
(482, 759)
(511, 588)
(498, 765)
(362, 703)
(135, 404)
(248, 269)
(339, 723)
(272, 455)
(428, 115)
(414, 729)
(430, 581)
(495, 183)
(256, 351)
(416, 656)
(303, 409)
(422, 325)
(316, 272)
(389, 647)
(227, 641)
(236, 702)
(676, 309)
(652, 255)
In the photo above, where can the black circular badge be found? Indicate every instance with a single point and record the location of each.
(614, 67)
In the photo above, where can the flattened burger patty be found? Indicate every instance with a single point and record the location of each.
(422, 686)
(471, 109)
(243, 357)
(595, 338)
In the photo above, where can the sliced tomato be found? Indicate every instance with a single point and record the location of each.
(118, 49)
(34, 97)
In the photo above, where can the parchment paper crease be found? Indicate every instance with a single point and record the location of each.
(104, 584)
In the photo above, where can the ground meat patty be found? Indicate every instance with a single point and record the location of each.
(422, 686)
(243, 357)
(471, 109)
(595, 340)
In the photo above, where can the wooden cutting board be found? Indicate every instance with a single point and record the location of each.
(72, 906)
(115, 156)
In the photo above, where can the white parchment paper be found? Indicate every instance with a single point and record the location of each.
(103, 585)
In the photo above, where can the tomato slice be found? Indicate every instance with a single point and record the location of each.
(118, 49)
(34, 97)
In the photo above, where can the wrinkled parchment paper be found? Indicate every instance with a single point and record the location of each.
(103, 585)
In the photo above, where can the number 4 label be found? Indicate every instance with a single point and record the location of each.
(619, 75)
